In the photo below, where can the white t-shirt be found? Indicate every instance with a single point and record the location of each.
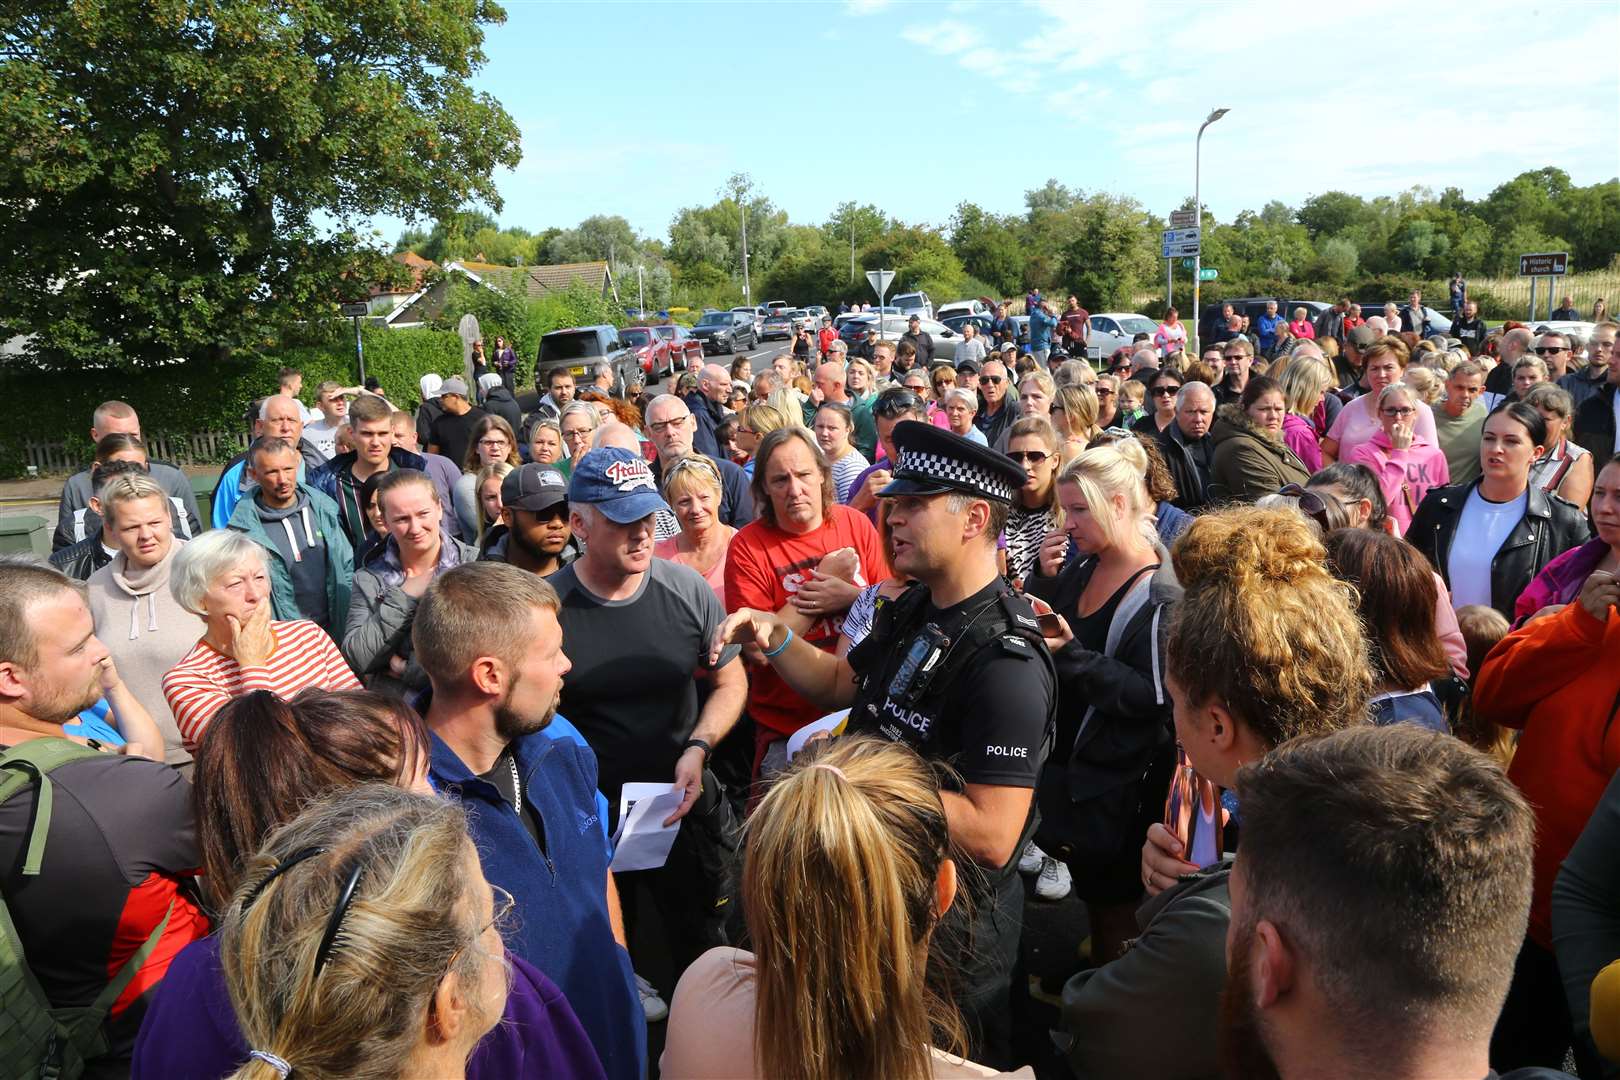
(323, 436)
(1480, 532)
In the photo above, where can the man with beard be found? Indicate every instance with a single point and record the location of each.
(94, 885)
(639, 628)
(1378, 901)
(488, 637)
(533, 533)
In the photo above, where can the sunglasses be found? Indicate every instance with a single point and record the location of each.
(1166, 391)
(1311, 504)
(1103, 391)
(1034, 457)
(1549, 350)
(892, 404)
(995, 380)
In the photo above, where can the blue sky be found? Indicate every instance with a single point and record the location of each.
(640, 109)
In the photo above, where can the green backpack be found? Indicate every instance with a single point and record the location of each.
(37, 1040)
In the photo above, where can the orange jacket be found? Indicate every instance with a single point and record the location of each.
(1557, 679)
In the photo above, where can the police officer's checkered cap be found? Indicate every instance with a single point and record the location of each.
(955, 472)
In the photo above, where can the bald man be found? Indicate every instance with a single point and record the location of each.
(708, 406)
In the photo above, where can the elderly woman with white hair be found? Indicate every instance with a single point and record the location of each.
(960, 407)
(221, 576)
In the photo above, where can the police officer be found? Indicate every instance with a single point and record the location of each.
(955, 668)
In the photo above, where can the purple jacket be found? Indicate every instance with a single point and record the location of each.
(190, 1030)
(1299, 434)
(1560, 581)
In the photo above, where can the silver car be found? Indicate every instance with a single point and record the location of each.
(1111, 330)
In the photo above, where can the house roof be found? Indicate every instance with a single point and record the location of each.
(537, 281)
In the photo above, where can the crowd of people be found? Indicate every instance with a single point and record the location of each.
(1292, 659)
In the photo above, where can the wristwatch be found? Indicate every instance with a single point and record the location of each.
(701, 745)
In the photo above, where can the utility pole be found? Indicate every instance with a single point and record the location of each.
(748, 296)
(852, 247)
(1198, 211)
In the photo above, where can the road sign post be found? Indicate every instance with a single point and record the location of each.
(1183, 219)
(881, 280)
(1548, 264)
(358, 312)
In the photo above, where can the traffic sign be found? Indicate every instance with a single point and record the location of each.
(1550, 264)
(881, 280)
(1188, 264)
(1208, 273)
(1178, 242)
(1183, 219)
(1176, 251)
(354, 311)
(1180, 236)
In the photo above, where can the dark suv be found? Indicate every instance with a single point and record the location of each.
(1254, 307)
(578, 349)
(725, 331)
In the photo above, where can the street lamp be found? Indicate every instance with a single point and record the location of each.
(1198, 217)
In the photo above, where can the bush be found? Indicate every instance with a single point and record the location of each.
(198, 396)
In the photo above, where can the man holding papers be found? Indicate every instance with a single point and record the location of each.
(643, 692)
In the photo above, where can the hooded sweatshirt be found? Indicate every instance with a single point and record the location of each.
(147, 632)
(297, 536)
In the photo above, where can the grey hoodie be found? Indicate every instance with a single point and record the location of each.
(297, 536)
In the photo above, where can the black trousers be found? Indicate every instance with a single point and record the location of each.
(694, 889)
(978, 950)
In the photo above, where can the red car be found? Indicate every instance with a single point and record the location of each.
(685, 351)
(651, 350)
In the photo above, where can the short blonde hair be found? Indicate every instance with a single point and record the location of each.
(689, 473)
(477, 609)
(1303, 380)
(128, 487)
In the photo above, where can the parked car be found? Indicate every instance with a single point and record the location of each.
(816, 310)
(580, 347)
(915, 303)
(726, 331)
(1022, 322)
(778, 324)
(775, 305)
(895, 327)
(683, 347)
(1112, 329)
(652, 351)
(961, 307)
(802, 318)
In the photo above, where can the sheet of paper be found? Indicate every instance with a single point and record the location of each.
(642, 842)
(832, 724)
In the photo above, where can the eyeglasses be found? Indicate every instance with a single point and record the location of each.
(1034, 457)
(493, 444)
(1550, 350)
(664, 425)
(1398, 411)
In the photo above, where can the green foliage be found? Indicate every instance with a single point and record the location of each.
(179, 179)
(521, 320)
(201, 396)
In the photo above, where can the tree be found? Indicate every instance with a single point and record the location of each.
(989, 248)
(1331, 213)
(599, 237)
(180, 178)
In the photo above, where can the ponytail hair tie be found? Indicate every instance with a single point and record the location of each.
(283, 1069)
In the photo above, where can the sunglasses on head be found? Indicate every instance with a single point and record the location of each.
(1311, 504)
(892, 403)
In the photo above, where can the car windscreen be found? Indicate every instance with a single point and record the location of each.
(568, 346)
(1136, 326)
(635, 336)
(716, 318)
(665, 332)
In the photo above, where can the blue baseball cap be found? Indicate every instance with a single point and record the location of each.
(618, 483)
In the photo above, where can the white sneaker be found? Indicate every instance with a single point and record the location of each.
(1030, 861)
(654, 1006)
(1055, 880)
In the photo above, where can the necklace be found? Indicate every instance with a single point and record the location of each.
(517, 784)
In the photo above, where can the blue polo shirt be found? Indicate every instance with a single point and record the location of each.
(562, 926)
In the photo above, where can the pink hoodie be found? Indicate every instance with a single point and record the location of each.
(1404, 475)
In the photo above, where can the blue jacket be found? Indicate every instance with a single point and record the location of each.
(324, 479)
(1266, 326)
(561, 892)
(1040, 329)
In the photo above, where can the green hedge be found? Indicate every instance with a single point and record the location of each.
(198, 397)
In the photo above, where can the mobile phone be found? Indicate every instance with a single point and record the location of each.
(1049, 622)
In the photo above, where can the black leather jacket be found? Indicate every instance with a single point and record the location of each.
(1550, 527)
(79, 561)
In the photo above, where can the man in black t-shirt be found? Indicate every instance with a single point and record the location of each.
(452, 432)
(956, 669)
(637, 628)
(1470, 329)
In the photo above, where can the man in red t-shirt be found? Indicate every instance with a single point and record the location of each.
(775, 563)
(826, 336)
(1074, 325)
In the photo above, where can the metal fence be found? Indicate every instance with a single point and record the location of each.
(198, 448)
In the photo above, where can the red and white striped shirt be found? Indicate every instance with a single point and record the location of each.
(206, 678)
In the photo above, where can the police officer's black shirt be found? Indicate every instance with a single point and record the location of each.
(990, 724)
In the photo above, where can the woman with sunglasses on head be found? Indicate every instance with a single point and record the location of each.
(1161, 403)
(260, 763)
(1250, 458)
(943, 378)
(1567, 468)
(1104, 782)
(693, 490)
(1407, 465)
(1488, 539)
(1035, 515)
